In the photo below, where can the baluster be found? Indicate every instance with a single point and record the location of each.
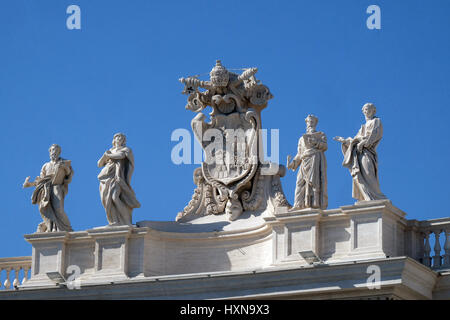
(437, 250)
(426, 251)
(16, 281)
(25, 274)
(7, 283)
(446, 260)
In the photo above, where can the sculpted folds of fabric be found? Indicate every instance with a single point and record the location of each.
(117, 196)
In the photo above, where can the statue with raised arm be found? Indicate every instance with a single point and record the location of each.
(311, 187)
(118, 198)
(51, 187)
(360, 156)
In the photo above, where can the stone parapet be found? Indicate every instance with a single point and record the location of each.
(400, 278)
(363, 231)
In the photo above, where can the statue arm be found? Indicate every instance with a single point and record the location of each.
(343, 140)
(298, 158)
(115, 155)
(102, 161)
(296, 162)
(69, 174)
(359, 136)
(373, 134)
(43, 171)
(322, 144)
(27, 183)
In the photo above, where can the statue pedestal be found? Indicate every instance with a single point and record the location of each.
(48, 255)
(363, 231)
(105, 254)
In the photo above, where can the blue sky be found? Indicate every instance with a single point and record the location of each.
(120, 73)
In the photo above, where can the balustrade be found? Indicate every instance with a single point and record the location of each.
(439, 232)
(11, 268)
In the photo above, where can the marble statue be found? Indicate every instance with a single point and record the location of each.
(51, 187)
(311, 187)
(230, 180)
(118, 198)
(360, 156)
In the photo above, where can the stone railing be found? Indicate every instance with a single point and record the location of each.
(15, 271)
(434, 242)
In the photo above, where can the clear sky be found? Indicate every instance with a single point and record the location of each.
(120, 73)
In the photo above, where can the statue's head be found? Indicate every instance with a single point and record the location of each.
(219, 75)
(311, 121)
(369, 110)
(54, 151)
(119, 140)
(198, 176)
(233, 209)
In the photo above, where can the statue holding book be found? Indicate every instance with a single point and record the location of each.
(311, 186)
(51, 187)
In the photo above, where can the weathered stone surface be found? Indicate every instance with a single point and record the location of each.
(311, 186)
(366, 230)
(51, 187)
(233, 178)
(360, 156)
(118, 198)
(400, 278)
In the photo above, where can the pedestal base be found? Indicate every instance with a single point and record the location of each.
(366, 230)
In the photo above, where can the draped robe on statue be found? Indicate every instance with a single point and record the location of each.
(51, 187)
(363, 165)
(311, 187)
(118, 198)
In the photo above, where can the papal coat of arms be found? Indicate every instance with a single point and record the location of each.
(232, 178)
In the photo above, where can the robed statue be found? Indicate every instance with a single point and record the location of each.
(311, 186)
(360, 156)
(51, 187)
(117, 196)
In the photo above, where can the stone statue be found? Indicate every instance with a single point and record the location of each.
(50, 189)
(229, 180)
(360, 156)
(118, 198)
(311, 187)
